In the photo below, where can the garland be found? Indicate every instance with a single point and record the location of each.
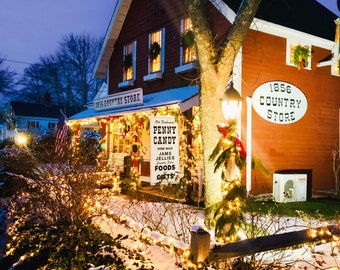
(227, 215)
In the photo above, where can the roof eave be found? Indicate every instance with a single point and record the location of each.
(111, 37)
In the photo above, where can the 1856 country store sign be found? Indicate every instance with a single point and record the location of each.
(279, 102)
(124, 99)
(164, 146)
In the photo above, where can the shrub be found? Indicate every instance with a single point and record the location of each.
(50, 215)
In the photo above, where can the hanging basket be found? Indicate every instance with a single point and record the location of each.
(188, 39)
(154, 50)
(301, 56)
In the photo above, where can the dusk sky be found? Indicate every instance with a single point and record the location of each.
(33, 28)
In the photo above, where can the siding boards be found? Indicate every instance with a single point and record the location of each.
(143, 18)
(306, 144)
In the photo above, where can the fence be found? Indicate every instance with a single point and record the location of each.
(200, 243)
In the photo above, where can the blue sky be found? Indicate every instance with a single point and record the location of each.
(33, 28)
(331, 5)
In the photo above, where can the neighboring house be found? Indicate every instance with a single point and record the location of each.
(3, 128)
(149, 67)
(32, 119)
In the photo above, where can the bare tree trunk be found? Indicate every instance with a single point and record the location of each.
(216, 65)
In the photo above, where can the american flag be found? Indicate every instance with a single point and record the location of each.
(60, 141)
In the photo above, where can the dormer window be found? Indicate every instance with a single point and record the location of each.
(129, 65)
(187, 49)
(156, 56)
(298, 55)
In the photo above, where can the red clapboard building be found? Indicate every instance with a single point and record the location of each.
(290, 119)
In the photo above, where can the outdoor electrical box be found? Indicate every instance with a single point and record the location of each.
(289, 187)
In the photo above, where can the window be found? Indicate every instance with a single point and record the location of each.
(129, 65)
(156, 56)
(298, 55)
(187, 50)
(188, 46)
(51, 125)
(119, 137)
(32, 124)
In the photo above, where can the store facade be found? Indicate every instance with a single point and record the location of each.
(147, 133)
(293, 105)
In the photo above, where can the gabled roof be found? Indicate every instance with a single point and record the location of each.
(112, 34)
(307, 16)
(35, 110)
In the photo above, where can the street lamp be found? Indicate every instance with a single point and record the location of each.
(231, 158)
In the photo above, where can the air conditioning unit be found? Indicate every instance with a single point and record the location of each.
(289, 187)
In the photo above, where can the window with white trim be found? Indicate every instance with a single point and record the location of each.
(129, 65)
(188, 55)
(32, 124)
(156, 55)
(187, 40)
(298, 54)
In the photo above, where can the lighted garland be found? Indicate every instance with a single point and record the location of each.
(227, 214)
(187, 158)
(141, 121)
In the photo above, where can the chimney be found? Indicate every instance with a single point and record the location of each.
(47, 98)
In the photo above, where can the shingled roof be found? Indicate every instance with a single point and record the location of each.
(307, 16)
(35, 110)
(40, 110)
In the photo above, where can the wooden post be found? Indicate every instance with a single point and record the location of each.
(199, 245)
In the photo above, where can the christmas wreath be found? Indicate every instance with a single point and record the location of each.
(154, 50)
(127, 63)
(300, 56)
(188, 39)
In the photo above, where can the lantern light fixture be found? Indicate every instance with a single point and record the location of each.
(231, 103)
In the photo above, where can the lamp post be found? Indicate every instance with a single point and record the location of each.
(230, 157)
(231, 107)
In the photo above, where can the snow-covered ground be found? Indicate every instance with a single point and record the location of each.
(158, 230)
(157, 236)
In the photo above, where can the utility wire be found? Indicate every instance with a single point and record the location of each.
(16, 61)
